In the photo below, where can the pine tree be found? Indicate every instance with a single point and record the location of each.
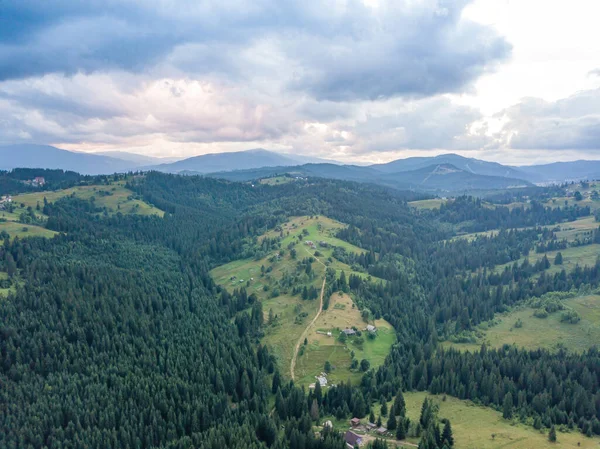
(447, 437)
(401, 430)
(400, 405)
(276, 382)
(391, 424)
(507, 406)
(384, 408)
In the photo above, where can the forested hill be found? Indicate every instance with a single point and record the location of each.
(114, 335)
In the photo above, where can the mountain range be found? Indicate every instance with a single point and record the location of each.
(443, 173)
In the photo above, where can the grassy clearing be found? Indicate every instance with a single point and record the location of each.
(342, 314)
(276, 180)
(578, 229)
(5, 291)
(548, 333)
(292, 313)
(427, 204)
(20, 230)
(570, 230)
(578, 255)
(477, 427)
(114, 197)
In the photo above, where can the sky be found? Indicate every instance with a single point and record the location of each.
(512, 81)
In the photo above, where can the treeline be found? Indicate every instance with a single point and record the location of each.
(475, 216)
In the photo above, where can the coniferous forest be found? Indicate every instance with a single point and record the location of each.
(114, 334)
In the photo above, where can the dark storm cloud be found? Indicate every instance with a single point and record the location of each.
(338, 51)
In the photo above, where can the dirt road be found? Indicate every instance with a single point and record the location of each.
(303, 336)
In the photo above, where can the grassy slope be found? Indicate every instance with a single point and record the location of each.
(474, 425)
(340, 315)
(545, 333)
(120, 197)
(276, 180)
(582, 255)
(283, 336)
(570, 230)
(25, 230)
(120, 200)
(479, 427)
(427, 204)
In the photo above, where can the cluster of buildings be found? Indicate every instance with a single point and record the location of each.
(38, 181)
(322, 379)
(354, 439)
(4, 201)
(350, 332)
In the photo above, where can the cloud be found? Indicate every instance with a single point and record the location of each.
(572, 123)
(334, 50)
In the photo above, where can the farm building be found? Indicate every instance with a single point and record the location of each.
(349, 332)
(371, 328)
(354, 422)
(381, 431)
(352, 439)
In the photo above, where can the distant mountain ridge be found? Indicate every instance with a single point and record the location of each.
(238, 160)
(45, 156)
(437, 178)
(475, 166)
(447, 172)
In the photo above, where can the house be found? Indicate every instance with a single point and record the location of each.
(38, 181)
(381, 431)
(355, 422)
(322, 380)
(349, 332)
(328, 425)
(352, 440)
(371, 328)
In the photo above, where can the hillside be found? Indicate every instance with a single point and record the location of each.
(470, 165)
(279, 278)
(44, 156)
(238, 160)
(444, 178)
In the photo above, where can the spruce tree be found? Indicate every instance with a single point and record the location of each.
(391, 424)
(552, 434)
(401, 430)
(447, 437)
(400, 405)
(507, 406)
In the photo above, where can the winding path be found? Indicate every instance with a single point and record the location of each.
(303, 336)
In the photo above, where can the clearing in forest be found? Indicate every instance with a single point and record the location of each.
(279, 277)
(276, 180)
(479, 427)
(28, 220)
(324, 344)
(427, 204)
(522, 328)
